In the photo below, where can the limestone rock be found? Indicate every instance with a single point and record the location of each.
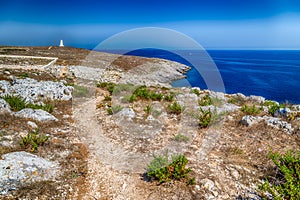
(249, 120)
(38, 115)
(32, 124)
(257, 99)
(34, 91)
(126, 113)
(4, 106)
(20, 168)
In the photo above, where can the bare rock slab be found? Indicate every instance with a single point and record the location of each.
(38, 115)
(19, 168)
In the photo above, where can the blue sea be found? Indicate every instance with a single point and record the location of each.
(274, 74)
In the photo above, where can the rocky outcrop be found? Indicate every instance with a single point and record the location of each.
(277, 123)
(249, 120)
(35, 91)
(20, 168)
(38, 115)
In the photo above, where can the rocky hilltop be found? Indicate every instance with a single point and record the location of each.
(86, 125)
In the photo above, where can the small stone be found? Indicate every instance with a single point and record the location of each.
(32, 124)
(208, 184)
(235, 174)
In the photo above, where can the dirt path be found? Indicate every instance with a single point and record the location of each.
(110, 154)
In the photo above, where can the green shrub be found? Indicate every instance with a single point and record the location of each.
(18, 103)
(175, 108)
(195, 91)
(107, 86)
(148, 109)
(205, 118)
(181, 138)
(286, 184)
(33, 141)
(205, 101)
(107, 98)
(250, 110)
(23, 75)
(160, 169)
(169, 97)
(143, 92)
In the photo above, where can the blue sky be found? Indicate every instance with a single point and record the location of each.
(215, 24)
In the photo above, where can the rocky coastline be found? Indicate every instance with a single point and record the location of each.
(100, 140)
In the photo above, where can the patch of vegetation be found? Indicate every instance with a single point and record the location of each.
(144, 93)
(181, 138)
(205, 101)
(195, 91)
(33, 141)
(107, 86)
(107, 98)
(114, 109)
(148, 109)
(251, 110)
(175, 108)
(80, 91)
(18, 103)
(237, 100)
(286, 183)
(169, 97)
(208, 117)
(162, 170)
(23, 75)
(273, 106)
(205, 118)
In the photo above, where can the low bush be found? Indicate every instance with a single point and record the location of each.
(144, 93)
(195, 91)
(205, 101)
(286, 182)
(148, 109)
(175, 108)
(205, 118)
(33, 141)
(250, 110)
(107, 86)
(107, 98)
(162, 170)
(169, 97)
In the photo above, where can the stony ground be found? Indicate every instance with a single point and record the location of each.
(104, 156)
